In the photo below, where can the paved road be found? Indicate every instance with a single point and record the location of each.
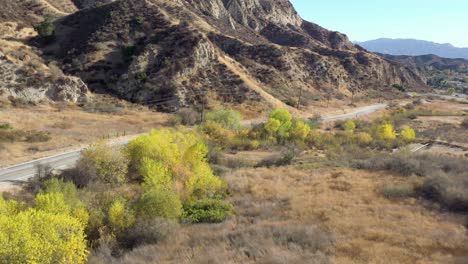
(357, 113)
(21, 172)
(24, 171)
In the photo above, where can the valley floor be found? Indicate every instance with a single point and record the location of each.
(68, 128)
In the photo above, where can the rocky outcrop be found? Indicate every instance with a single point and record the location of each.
(25, 76)
(20, 83)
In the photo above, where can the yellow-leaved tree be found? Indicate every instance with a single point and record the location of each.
(174, 160)
(299, 130)
(40, 236)
(386, 132)
(408, 134)
(120, 216)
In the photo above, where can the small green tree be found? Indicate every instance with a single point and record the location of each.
(162, 203)
(182, 154)
(109, 162)
(279, 124)
(348, 126)
(120, 216)
(156, 175)
(450, 91)
(299, 130)
(227, 118)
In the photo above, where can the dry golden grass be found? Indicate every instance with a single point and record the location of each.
(70, 128)
(325, 215)
(371, 229)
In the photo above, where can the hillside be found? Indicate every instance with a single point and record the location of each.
(440, 72)
(170, 54)
(414, 47)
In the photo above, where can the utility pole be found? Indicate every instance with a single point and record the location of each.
(299, 99)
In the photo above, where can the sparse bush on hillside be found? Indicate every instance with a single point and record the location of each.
(363, 138)
(447, 189)
(5, 126)
(45, 29)
(299, 131)
(217, 133)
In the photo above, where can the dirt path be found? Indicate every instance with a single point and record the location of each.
(51, 7)
(252, 84)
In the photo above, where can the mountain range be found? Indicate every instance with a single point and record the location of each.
(179, 53)
(414, 47)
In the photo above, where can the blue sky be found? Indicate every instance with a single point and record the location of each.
(434, 20)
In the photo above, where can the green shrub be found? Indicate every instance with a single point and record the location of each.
(141, 76)
(399, 87)
(128, 51)
(109, 162)
(227, 118)
(39, 236)
(160, 203)
(398, 191)
(207, 211)
(348, 126)
(5, 126)
(46, 28)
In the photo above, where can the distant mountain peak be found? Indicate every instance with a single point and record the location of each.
(414, 47)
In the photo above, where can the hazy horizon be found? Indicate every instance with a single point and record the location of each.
(363, 20)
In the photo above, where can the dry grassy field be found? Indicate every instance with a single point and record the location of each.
(294, 215)
(69, 128)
